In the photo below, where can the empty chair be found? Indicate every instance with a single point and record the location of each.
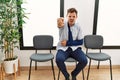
(70, 59)
(42, 42)
(95, 42)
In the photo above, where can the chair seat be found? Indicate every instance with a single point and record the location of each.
(98, 56)
(70, 60)
(41, 57)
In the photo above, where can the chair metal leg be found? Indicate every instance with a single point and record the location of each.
(30, 70)
(53, 69)
(98, 64)
(110, 69)
(59, 74)
(89, 69)
(35, 65)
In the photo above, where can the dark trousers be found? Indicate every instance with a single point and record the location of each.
(78, 55)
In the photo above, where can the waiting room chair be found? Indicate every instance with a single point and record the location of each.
(42, 42)
(70, 59)
(95, 42)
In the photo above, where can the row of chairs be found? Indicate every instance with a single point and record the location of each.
(45, 42)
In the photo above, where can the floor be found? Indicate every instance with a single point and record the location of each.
(46, 74)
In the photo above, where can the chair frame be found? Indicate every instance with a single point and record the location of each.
(71, 60)
(98, 66)
(41, 61)
(87, 52)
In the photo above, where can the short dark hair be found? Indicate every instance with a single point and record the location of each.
(71, 10)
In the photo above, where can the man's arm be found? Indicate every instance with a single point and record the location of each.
(74, 42)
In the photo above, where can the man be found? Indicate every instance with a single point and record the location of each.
(70, 39)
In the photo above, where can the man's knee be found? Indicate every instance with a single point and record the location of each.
(59, 59)
(85, 61)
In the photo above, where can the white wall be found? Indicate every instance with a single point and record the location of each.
(86, 13)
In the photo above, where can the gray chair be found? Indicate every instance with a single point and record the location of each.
(70, 59)
(42, 42)
(95, 42)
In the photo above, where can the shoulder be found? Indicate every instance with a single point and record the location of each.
(65, 24)
(77, 25)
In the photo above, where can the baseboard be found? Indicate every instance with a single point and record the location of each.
(70, 67)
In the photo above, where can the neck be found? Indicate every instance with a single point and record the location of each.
(70, 25)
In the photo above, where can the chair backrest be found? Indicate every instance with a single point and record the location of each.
(93, 41)
(43, 41)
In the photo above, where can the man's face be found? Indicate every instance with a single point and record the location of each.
(71, 18)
